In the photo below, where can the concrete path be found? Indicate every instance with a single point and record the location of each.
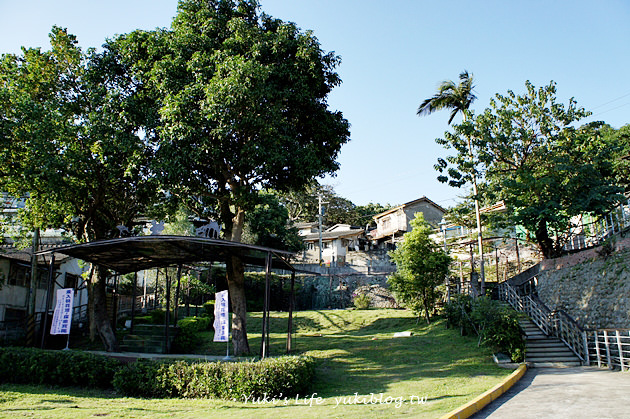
(577, 392)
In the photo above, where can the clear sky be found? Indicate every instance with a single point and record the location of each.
(394, 54)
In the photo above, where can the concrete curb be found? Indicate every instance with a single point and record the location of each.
(481, 401)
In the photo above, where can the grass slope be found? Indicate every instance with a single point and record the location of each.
(362, 372)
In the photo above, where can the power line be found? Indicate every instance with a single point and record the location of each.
(611, 101)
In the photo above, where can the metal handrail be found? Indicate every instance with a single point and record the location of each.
(557, 323)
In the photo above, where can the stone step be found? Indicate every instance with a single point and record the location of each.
(553, 364)
(543, 344)
(549, 354)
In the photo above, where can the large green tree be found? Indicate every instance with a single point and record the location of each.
(243, 107)
(421, 265)
(75, 136)
(534, 158)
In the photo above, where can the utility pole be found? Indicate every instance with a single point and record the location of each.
(320, 214)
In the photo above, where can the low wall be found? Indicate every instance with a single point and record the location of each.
(333, 291)
(593, 286)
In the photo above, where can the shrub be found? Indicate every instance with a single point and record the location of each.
(62, 368)
(361, 301)
(271, 377)
(188, 338)
(208, 309)
(457, 312)
(495, 325)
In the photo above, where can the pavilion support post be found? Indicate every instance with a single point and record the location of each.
(155, 290)
(133, 301)
(167, 317)
(176, 308)
(290, 325)
(264, 345)
(51, 280)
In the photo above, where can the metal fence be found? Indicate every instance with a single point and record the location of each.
(610, 347)
(555, 323)
(586, 235)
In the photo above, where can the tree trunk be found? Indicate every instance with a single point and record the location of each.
(101, 319)
(544, 241)
(236, 285)
(425, 303)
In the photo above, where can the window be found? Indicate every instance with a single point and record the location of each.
(71, 281)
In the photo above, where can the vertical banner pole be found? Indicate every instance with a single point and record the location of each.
(291, 307)
(51, 278)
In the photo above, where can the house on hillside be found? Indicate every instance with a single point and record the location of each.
(15, 271)
(337, 241)
(392, 224)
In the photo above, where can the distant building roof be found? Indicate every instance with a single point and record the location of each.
(410, 203)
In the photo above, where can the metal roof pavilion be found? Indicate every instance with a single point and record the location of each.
(133, 254)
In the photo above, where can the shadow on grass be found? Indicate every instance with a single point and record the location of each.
(356, 350)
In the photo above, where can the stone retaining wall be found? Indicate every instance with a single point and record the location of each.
(593, 286)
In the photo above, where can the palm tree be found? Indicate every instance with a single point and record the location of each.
(458, 98)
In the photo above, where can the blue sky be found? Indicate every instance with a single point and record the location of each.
(394, 54)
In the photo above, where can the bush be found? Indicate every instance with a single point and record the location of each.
(361, 301)
(188, 338)
(208, 309)
(62, 368)
(271, 377)
(495, 325)
(457, 312)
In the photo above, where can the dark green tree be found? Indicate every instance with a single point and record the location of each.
(546, 170)
(267, 224)
(242, 100)
(421, 265)
(75, 136)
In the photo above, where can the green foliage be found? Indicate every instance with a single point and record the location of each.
(158, 316)
(271, 377)
(619, 139)
(535, 160)
(208, 309)
(361, 301)
(457, 313)
(456, 97)
(188, 339)
(495, 325)
(421, 266)
(59, 368)
(303, 206)
(71, 125)
(268, 225)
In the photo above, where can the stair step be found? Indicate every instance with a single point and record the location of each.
(553, 364)
(548, 354)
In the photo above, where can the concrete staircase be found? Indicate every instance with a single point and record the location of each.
(546, 351)
(147, 338)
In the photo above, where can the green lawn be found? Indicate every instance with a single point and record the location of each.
(362, 372)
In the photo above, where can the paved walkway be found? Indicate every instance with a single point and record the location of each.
(578, 392)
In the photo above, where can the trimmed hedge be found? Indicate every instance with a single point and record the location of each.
(188, 337)
(62, 368)
(273, 377)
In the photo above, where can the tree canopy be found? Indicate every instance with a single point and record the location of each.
(75, 137)
(531, 155)
(421, 265)
(242, 105)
